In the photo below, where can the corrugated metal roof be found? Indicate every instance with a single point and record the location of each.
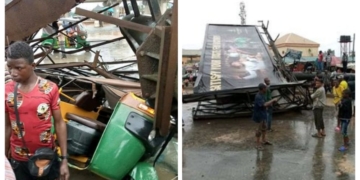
(292, 38)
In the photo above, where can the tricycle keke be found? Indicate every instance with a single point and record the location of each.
(75, 35)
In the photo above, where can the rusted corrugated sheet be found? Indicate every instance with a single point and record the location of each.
(25, 17)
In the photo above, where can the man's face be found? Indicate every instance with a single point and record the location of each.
(19, 69)
(336, 83)
(267, 81)
(263, 90)
(318, 84)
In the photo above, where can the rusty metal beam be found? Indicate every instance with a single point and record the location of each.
(115, 21)
(126, 7)
(135, 8)
(167, 74)
(43, 55)
(23, 18)
(100, 71)
(154, 9)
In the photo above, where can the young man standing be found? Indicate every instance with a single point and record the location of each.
(37, 100)
(345, 113)
(337, 92)
(259, 115)
(319, 98)
(328, 61)
(269, 108)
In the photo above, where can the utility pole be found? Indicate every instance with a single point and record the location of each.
(353, 51)
(242, 13)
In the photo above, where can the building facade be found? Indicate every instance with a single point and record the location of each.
(293, 41)
(190, 56)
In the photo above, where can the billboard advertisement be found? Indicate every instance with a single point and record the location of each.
(233, 56)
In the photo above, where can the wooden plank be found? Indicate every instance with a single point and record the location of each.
(115, 21)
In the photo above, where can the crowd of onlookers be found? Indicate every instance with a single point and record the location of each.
(324, 62)
(327, 62)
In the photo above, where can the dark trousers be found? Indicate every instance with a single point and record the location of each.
(319, 120)
(344, 66)
(327, 88)
(22, 172)
(269, 117)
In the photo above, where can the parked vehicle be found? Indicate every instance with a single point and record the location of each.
(75, 36)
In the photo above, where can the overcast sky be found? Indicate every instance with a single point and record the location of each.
(319, 21)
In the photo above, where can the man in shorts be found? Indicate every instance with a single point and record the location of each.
(260, 116)
(345, 114)
(319, 98)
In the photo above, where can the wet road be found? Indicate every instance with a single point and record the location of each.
(225, 149)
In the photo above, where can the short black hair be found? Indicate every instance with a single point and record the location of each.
(20, 49)
(262, 86)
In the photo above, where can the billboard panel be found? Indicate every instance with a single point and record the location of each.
(233, 57)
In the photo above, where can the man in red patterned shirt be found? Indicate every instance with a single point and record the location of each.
(37, 101)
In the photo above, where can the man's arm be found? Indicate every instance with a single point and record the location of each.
(7, 133)
(316, 94)
(60, 126)
(261, 102)
(61, 132)
(269, 103)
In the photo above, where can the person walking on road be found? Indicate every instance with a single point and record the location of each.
(259, 116)
(345, 114)
(319, 100)
(269, 108)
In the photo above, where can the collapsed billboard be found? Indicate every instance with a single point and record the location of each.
(234, 56)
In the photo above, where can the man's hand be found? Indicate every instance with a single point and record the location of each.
(274, 100)
(64, 170)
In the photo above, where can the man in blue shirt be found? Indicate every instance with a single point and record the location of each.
(260, 115)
